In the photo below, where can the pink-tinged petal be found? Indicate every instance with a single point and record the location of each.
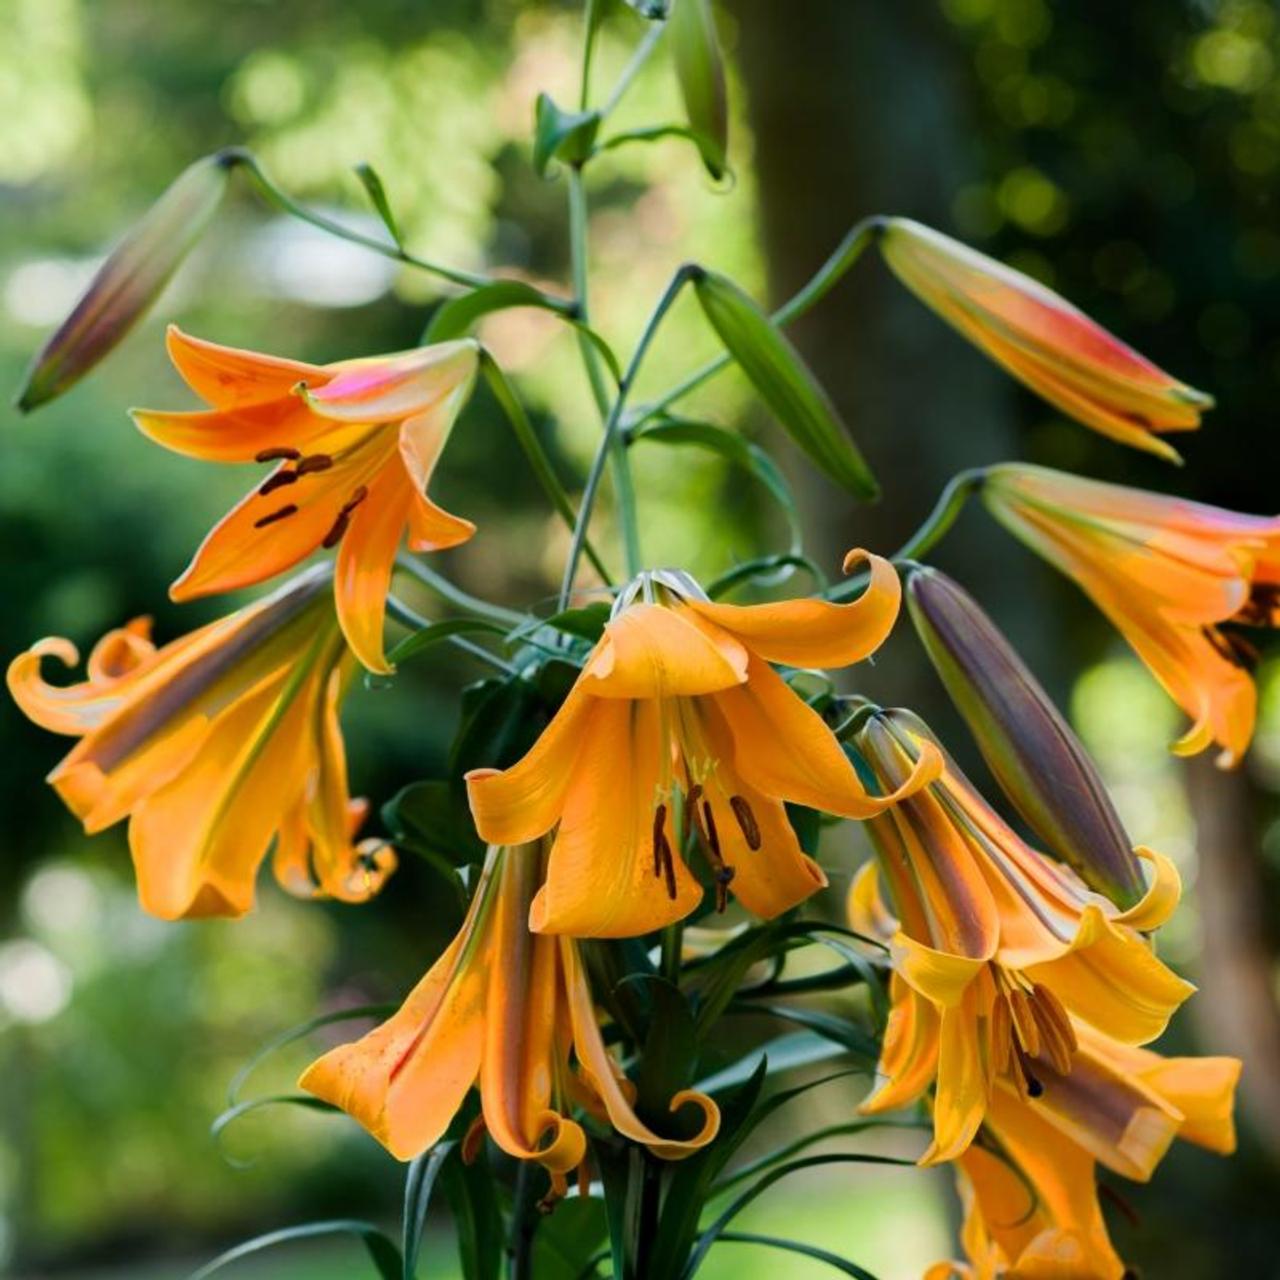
(392, 388)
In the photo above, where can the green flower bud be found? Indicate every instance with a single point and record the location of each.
(1027, 743)
(130, 280)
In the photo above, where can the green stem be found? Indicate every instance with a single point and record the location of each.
(416, 622)
(455, 595)
(672, 944)
(624, 490)
(533, 451)
(849, 250)
(612, 438)
(287, 204)
(633, 68)
(936, 524)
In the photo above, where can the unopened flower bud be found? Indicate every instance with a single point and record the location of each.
(129, 281)
(1027, 743)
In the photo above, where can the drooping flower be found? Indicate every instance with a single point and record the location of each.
(1042, 340)
(211, 746)
(1026, 742)
(1030, 1188)
(1169, 574)
(354, 445)
(679, 729)
(997, 952)
(511, 1012)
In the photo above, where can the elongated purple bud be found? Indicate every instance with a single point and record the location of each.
(1027, 743)
(129, 282)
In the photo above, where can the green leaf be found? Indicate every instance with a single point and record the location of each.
(476, 1216)
(432, 817)
(587, 623)
(838, 1030)
(377, 194)
(562, 135)
(454, 318)
(569, 1239)
(436, 632)
(795, 1246)
(501, 720)
(712, 1233)
(700, 71)
(383, 1253)
(691, 1180)
(419, 1181)
(670, 1049)
(730, 445)
(799, 1049)
(784, 382)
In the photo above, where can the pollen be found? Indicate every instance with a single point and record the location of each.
(279, 514)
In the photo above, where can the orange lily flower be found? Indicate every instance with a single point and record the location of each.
(1031, 1204)
(677, 728)
(1168, 573)
(210, 746)
(355, 444)
(503, 1009)
(1042, 340)
(997, 951)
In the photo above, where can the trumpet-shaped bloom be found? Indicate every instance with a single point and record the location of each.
(1030, 1195)
(678, 729)
(1043, 341)
(997, 952)
(510, 1011)
(354, 445)
(210, 746)
(1168, 573)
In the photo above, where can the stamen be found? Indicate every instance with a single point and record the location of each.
(276, 453)
(356, 498)
(314, 462)
(472, 1141)
(746, 820)
(722, 871)
(277, 480)
(691, 811)
(1234, 648)
(276, 515)
(334, 536)
(1024, 1022)
(659, 837)
(1263, 605)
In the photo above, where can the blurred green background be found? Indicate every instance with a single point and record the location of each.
(1128, 154)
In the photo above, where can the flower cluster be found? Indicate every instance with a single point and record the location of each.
(1024, 982)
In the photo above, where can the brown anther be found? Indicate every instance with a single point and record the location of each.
(1262, 609)
(356, 499)
(472, 1141)
(1135, 1219)
(276, 515)
(314, 462)
(277, 480)
(334, 536)
(669, 869)
(659, 837)
(1234, 648)
(276, 453)
(1024, 1022)
(1057, 1035)
(746, 820)
(690, 812)
(720, 869)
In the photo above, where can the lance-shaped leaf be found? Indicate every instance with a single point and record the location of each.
(1030, 748)
(700, 71)
(129, 281)
(784, 382)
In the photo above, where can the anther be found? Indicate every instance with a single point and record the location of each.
(356, 499)
(659, 837)
(276, 453)
(334, 536)
(277, 480)
(746, 820)
(314, 462)
(276, 515)
(472, 1141)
